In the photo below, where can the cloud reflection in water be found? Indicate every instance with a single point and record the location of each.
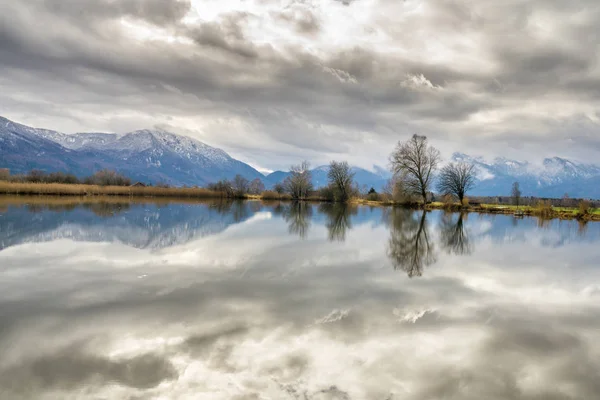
(250, 307)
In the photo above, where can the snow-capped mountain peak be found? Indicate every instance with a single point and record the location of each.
(149, 155)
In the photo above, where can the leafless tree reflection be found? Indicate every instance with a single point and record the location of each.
(454, 235)
(237, 208)
(298, 215)
(410, 248)
(338, 219)
(582, 228)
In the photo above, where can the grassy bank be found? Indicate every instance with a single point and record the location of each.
(62, 189)
(59, 189)
(542, 211)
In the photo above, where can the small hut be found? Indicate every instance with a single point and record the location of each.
(138, 184)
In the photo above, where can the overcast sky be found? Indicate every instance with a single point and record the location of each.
(277, 81)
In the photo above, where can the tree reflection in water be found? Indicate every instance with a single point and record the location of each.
(239, 209)
(454, 235)
(409, 248)
(338, 219)
(298, 215)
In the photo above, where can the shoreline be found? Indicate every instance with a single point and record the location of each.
(562, 213)
(92, 193)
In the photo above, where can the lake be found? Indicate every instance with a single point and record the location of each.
(251, 300)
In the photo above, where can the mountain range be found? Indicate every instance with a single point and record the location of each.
(155, 156)
(150, 156)
(554, 178)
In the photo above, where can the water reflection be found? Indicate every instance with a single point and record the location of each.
(339, 219)
(454, 235)
(238, 209)
(410, 247)
(138, 224)
(279, 300)
(298, 217)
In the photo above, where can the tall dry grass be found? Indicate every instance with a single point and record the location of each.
(58, 189)
(543, 208)
(271, 195)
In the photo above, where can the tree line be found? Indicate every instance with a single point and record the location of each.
(297, 185)
(414, 164)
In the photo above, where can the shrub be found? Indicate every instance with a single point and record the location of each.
(465, 202)
(222, 186)
(163, 185)
(327, 193)
(61, 177)
(279, 188)
(108, 177)
(543, 208)
(35, 176)
(447, 199)
(373, 196)
(270, 195)
(584, 207)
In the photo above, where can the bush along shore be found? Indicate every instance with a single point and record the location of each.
(414, 164)
(87, 192)
(544, 211)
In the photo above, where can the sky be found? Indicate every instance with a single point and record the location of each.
(274, 82)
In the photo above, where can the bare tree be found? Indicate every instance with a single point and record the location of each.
(566, 200)
(415, 161)
(223, 186)
(256, 186)
(279, 188)
(395, 189)
(340, 177)
(299, 183)
(240, 185)
(456, 179)
(107, 177)
(516, 193)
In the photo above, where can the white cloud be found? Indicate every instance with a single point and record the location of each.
(273, 81)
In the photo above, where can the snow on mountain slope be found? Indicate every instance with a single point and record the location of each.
(143, 226)
(138, 141)
(147, 155)
(554, 177)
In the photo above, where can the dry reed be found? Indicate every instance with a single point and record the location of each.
(58, 189)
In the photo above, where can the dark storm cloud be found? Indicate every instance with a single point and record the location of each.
(445, 68)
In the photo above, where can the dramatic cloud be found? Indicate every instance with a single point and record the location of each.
(277, 81)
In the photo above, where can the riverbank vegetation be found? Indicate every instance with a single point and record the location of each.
(62, 189)
(414, 164)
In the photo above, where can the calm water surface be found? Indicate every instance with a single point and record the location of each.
(282, 301)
